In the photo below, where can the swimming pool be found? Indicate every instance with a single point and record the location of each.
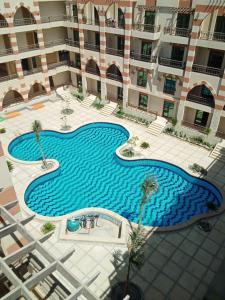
(92, 175)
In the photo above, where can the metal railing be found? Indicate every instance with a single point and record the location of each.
(184, 32)
(75, 64)
(72, 43)
(171, 63)
(217, 36)
(201, 100)
(114, 51)
(114, 24)
(58, 64)
(73, 19)
(147, 27)
(49, 19)
(90, 46)
(32, 71)
(3, 23)
(24, 21)
(55, 43)
(8, 77)
(167, 90)
(91, 21)
(28, 48)
(143, 57)
(207, 70)
(194, 126)
(92, 70)
(4, 52)
(116, 77)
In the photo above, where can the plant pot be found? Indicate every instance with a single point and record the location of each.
(134, 291)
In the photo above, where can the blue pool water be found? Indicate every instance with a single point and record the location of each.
(92, 175)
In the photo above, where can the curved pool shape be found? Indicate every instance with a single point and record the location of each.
(92, 175)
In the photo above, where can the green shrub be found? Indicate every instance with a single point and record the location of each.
(196, 139)
(98, 105)
(169, 130)
(120, 113)
(10, 166)
(2, 130)
(174, 122)
(198, 169)
(128, 152)
(145, 145)
(207, 131)
(47, 227)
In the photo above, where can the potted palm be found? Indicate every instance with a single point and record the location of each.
(135, 245)
(37, 128)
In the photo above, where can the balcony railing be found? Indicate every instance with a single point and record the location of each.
(113, 51)
(92, 70)
(207, 70)
(8, 77)
(3, 23)
(32, 71)
(143, 57)
(75, 64)
(55, 43)
(194, 126)
(116, 77)
(146, 27)
(90, 21)
(28, 48)
(115, 24)
(58, 64)
(90, 46)
(72, 43)
(53, 18)
(24, 21)
(171, 63)
(4, 52)
(177, 31)
(201, 100)
(73, 19)
(216, 36)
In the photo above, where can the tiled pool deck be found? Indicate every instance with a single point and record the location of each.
(178, 265)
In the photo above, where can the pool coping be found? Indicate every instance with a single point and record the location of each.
(117, 216)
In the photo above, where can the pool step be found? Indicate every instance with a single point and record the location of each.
(108, 109)
(87, 102)
(219, 152)
(157, 126)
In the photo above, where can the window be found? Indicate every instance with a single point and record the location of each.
(75, 13)
(143, 101)
(76, 35)
(201, 118)
(149, 17)
(169, 86)
(177, 53)
(168, 108)
(205, 92)
(142, 78)
(183, 21)
(120, 93)
(63, 55)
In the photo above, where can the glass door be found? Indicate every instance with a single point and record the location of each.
(183, 21)
(120, 93)
(215, 59)
(146, 50)
(143, 101)
(168, 109)
(201, 118)
(149, 20)
(177, 53)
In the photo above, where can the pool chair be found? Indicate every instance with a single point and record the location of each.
(72, 225)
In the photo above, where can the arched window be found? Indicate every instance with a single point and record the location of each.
(12, 97)
(37, 89)
(3, 22)
(201, 94)
(114, 73)
(92, 67)
(23, 17)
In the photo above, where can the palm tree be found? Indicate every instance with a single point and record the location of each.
(148, 187)
(135, 253)
(37, 128)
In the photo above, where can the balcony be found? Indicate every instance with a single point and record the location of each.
(75, 64)
(58, 64)
(146, 27)
(32, 71)
(216, 36)
(24, 21)
(73, 19)
(8, 77)
(92, 70)
(207, 70)
(92, 47)
(116, 77)
(55, 43)
(4, 52)
(29, 48)
(208, 101)
(143, 57)
(114, 24)
(72, 43)
(90, 21)
(113, 51)
(184, 32)
(54, 19)
(3, 23)
(168, 62)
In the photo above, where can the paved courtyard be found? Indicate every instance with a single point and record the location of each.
(178, 265)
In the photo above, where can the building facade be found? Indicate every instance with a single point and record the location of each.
(162, 57)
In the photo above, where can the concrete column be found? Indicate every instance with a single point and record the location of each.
(84, 84)
(216, 119)
(125, 95)
(103, 66)
(180, 112)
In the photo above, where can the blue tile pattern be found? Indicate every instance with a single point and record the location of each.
(91, 175)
